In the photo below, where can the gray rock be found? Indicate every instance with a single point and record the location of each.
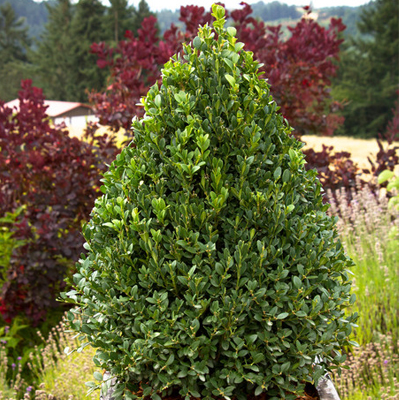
(326, 390)
(107, 387)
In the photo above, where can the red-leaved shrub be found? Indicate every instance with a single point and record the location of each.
(299, 68)
(57, 178)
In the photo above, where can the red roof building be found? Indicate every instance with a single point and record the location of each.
(73, 114)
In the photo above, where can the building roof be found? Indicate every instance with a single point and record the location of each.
(55, 108)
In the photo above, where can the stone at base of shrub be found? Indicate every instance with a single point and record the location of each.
(107, 388)
(326, 389)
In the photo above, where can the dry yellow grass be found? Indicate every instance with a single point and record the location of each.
(78, 132)
(360, 149)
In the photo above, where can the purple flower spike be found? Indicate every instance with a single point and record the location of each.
(13, 365)
(29, 389)
(19, 358)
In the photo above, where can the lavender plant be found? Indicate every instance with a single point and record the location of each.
(55, 372)
(373, 372)
(62, 374)
(369, 230)
(11, 381)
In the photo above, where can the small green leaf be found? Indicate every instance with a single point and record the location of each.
(258, 358)
(239, 46)
(285, 367)
(231, 31)
(258, 391)
(170, 360)
(282, 315)
(197, 42)
(251, 338)
(286, 176)
(297, 282)
(182, 374)
(277, 173)
(301, 314)
(385, 175)
(290, 208)
(218, 13)
(98, 376)
(230, 79)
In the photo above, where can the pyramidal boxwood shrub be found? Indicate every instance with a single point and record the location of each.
(212, 270)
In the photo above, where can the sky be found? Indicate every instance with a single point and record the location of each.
(158, 5)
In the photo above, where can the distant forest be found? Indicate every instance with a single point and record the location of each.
(36, 14)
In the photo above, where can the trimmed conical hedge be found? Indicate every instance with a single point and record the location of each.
(212, 270)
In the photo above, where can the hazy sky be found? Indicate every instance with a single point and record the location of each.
(157, 5)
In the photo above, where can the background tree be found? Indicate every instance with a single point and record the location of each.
(34, 12)
(119, 17)
(369, 71)
(134, 66)
(14, 43)
(274, 11)
(349, 15)
(299, 68)
(53, 59)
(56, 178)
(87, 26)
(14, 38)
(142, 12)
(166, 18)
(65, 67)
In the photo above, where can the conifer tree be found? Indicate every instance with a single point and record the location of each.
(142, 12)
(14, 39)
(87, 27)
(369, 71)
(64, 65)
(14, 43)
(52, 59)
(118, 19)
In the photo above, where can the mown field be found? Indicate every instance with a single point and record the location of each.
(360, 149)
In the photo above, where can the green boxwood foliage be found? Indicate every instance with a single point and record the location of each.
(212, 270)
